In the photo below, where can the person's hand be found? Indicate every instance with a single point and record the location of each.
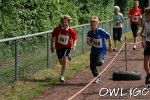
(135, 14)
(89, 41)
(144, 45)
(74, 47)
(52, 49)
(118, 23)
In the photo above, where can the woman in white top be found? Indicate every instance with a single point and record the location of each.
(117, 26)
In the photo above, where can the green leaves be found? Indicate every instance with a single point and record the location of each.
(20, 17)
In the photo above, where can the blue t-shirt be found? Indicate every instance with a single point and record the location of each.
(98, 40)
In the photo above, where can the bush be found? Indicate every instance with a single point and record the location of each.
(21, 17)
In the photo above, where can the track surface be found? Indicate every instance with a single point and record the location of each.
(72, 86)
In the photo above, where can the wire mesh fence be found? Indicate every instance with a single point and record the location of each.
(22, 56)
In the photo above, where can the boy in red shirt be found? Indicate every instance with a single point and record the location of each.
(135, 15)
(63, 36)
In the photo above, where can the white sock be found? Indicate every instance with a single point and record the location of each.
(62, 77)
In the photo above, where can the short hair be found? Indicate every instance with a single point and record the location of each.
(66, 17)
(136, 1)
(147, 10)
(117, 7)
(94, 19)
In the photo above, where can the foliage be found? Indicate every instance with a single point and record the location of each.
(21, 17)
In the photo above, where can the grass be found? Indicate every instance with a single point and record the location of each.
(24, 90)
(29, 88)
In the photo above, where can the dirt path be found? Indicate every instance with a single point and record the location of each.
(70, 87)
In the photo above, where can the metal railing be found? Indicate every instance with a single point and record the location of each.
(23, 55)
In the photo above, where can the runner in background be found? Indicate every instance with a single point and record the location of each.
(135, 15)
(62, 36)
(117, 26)
(146, 45)
(96, 39)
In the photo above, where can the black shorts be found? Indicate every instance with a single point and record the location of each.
(117, 33)
(147, 49)
(135, 28)
(62, 52)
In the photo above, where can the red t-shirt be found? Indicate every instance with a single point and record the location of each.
(63, 38)
(135, 15)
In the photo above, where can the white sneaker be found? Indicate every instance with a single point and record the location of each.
(62, 79)
(97, 80)
(134, 47)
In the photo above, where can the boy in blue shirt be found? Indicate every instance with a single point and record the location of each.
(96, 38)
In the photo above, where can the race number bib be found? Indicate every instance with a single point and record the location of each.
(97, 43)
(135, 18)
(63, 39)
(148, 36)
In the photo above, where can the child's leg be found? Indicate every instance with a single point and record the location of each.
(147, 69)
(64, 65)
(65, 60)
(115, 43)
(61, 61)
(100, 59)
(119, 34)
(115, 37)
(93, 64)
(135, 28)
(146, 64)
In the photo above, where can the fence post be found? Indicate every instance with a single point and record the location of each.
(16, 59)
(126, 53)
(48, 51)
(82, 39)
(127, 26)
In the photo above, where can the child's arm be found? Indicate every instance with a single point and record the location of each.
(143, 42)
(142, 31)
(122, 20)
(74, 44)
(142, 37)
(74, 37)
(88, 40)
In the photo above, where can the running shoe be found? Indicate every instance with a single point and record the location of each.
(114, 49)
(62, 79)
(97, 80)
(134, 47)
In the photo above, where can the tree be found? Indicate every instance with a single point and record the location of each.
(123, 4)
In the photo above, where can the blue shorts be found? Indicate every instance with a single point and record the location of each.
(98, 59)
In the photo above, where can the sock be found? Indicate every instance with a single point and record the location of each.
(62, 77)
